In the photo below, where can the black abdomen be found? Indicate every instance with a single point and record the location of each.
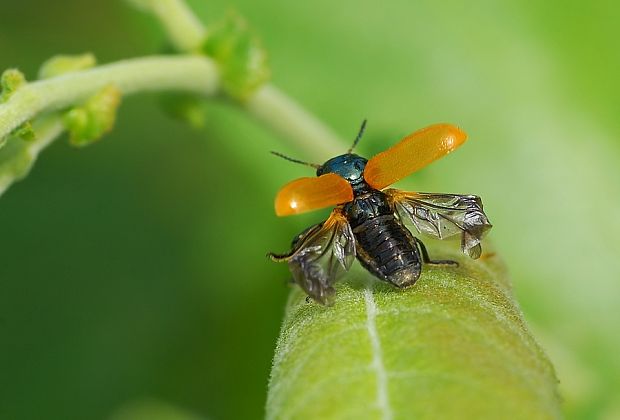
(384, 246)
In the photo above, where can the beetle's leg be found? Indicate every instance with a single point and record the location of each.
(427, 260)
(297, 242)
(280, 257)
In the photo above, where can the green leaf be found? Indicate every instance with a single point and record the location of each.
(454, 346)
(89, 122)
(25, 131)
(185, 107)
(10, 81)
(61, 64)
(240, 54)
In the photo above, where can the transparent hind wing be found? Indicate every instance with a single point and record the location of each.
(320, 255)
(444, 216)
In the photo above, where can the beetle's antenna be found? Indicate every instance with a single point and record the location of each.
(314, 165)
(359, 136)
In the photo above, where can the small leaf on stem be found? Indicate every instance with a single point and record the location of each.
(240, 54)
(89, 122)
(185, 107)
(61, 64)
(25, 131)
(10, 81)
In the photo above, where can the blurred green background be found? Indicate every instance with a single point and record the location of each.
(135, 269)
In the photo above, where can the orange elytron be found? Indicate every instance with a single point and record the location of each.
(367, 222)
(305, 194)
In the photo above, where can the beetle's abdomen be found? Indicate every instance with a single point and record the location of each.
(388, 250)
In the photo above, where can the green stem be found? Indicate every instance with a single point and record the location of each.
(18, 156)
(285, 116)
(189, 73)
(184, 29)
(159, 73)
(183, 73)
(269, 104)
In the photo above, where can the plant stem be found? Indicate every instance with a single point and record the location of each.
(269, 104)
(291, 121)
(18, 156)
(158, 73)
(189, 73)
(184, 29)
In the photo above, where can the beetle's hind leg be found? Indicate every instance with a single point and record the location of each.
(426, 259)
(295, 245)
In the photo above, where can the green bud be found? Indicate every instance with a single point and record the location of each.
(240, 55)
(10, 81)
(60, 64)
(185, 107)
(25, 131)
(89, 122)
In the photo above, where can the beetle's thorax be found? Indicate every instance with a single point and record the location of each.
(350, 167)
(367, 206)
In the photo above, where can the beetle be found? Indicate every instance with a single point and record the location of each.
(369, 221)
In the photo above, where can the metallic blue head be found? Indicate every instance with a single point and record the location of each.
(349, 166)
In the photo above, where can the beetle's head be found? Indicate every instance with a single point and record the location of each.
(349, 166)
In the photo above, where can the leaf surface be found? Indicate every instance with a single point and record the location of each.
(452, 346)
